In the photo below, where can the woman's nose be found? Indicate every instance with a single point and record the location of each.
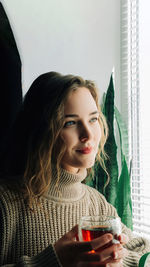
(85, 134)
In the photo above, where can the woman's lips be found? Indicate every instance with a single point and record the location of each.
(86, 150)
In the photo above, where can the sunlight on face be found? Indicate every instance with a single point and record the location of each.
(81, 132)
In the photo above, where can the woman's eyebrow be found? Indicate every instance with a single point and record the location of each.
(75, 115)
(71, 115)
(95, 112)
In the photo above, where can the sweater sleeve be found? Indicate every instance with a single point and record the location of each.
(47, 257)
(137, 246)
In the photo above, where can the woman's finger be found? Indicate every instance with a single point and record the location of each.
(120, 254)
(91, 264)
(92, 245)
(123, 239)
(71, 234)
(101, 241)
(110, 252)
(112, 263)
(115, 264)
(116, 258)
(90, 257)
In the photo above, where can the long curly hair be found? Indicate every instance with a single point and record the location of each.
(35, 144)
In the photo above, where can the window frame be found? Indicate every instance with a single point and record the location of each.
(130, 108)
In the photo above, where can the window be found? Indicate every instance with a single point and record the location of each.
(135, 71)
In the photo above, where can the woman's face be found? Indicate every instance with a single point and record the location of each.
(81, 132)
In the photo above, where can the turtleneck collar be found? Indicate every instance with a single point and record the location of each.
(68, 187)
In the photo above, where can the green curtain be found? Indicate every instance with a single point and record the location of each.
(123, 200)
(117, 192)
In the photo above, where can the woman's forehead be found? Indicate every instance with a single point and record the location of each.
(80, 100)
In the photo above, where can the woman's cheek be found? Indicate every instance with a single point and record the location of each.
(66, 137)
(98, 133)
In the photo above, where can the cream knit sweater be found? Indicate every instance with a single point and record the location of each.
(27, 237)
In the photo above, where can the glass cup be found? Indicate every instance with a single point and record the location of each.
(91, 227)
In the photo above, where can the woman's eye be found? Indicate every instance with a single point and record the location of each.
(69, 123)
(94, 119)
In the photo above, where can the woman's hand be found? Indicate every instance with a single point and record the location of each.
(118, 253)
(76, 254)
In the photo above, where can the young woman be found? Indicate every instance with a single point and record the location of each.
(59, 133)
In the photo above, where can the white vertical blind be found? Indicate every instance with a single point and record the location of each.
(132, 110)
(144, 71)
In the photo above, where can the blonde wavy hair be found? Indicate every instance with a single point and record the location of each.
(39, 123)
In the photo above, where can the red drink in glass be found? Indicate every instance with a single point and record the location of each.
(89, 233)
(91, 227)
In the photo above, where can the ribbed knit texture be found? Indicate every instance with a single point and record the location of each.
(27, 237)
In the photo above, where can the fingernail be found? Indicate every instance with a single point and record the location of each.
(115, 256)
(109, 237)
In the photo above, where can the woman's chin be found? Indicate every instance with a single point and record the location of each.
(88, 165)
